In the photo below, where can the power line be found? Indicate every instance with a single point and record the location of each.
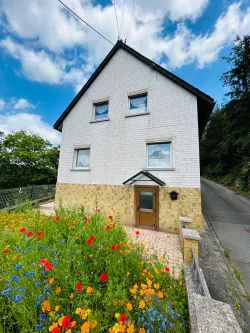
(85, 22)
(123, 13)
(116, 20)
(131, 19)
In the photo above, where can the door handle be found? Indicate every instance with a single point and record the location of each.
(138, 208)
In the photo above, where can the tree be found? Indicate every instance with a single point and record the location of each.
(225, 148)
(27, 159)
(238, 77)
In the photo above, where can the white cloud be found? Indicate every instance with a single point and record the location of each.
(30, 123)
(2, 103)
(22, 103)
(50, 33)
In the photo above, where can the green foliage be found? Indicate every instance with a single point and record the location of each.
(225, 147)
(26, 159)
(137, 284)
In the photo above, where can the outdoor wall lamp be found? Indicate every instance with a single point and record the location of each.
(173, 195)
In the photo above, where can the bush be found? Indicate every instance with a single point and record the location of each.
(77, 273)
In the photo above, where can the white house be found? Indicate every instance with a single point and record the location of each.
(131, 137)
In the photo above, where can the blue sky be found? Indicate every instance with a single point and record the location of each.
(46, 54)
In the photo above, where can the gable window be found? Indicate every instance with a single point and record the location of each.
(138, 104)
(159, 155)
(101, 110)
(82, 157)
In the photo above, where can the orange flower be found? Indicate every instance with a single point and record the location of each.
(115, 302)
(51, 280)
(89, 290)
(58, 290)
(156, 285)
(57, 307)
(54, 325)
(46, 306)
(94, 324)
(160, 294)
(142, 330)
(142, 304)
(71, 295)
(68, 331)
(129, 306)
(122, 302)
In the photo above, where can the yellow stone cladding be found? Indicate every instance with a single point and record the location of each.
(118, 200)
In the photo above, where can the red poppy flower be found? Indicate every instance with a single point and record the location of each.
(22, 230)
(57, 218)
(39, 234)
(137, 233)
(45, 264)
(79, 286)
(98, 210)
(118, 246)
(108, 227)
(48, 267)
(167, 269)
(113, 247)
(55, 330)
(6, 250)
(89, 241)
(111, 217)
(104, 277)
(66, 322)
(29, 234)
(85, 218)
(123, 317)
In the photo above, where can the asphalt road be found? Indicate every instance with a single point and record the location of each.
(229, 215)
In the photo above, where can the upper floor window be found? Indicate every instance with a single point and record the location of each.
(82, 158)
(101, 110)
(158, 155)
(138, 104)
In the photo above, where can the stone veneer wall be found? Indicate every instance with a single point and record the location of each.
(118, 200)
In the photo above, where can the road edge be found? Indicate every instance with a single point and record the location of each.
(240, 288)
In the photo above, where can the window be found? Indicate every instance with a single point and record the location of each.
(82, 158)
(101, 110)
(138, 104)
(158, 155)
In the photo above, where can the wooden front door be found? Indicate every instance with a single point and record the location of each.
(147, 206)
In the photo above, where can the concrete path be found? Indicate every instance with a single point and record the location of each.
(229, 215)
(163, 244)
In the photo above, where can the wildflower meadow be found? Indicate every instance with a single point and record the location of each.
(81, 273)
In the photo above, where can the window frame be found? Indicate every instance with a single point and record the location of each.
(99, 103)
(75, 156)
(137, 95)
(170, 167)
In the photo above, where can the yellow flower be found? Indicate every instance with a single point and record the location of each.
(161, 259)
(142, 304)
(131, 328)
(160, 294)
(117, 315)
(73, 323)
(58, 290)
(115, 302)
(116, 328)
(54, 325)
(78, 310)
(91, 255)
(89, 290)
(94, 324)
(156, 285)
(129, 306)
(149, 282)
(128, 273)
(57, 307)
(51, 280)
(68, 331)
(180, 283)
(60, 320)
(144, 286)
(71, 295)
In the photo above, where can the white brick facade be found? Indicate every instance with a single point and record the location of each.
(118, 146)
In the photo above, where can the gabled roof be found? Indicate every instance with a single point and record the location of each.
(149, 175)
(205, 102)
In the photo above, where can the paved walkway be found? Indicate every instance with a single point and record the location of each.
(164, 244)
(229, 215)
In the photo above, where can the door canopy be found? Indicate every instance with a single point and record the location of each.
(149, 177)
